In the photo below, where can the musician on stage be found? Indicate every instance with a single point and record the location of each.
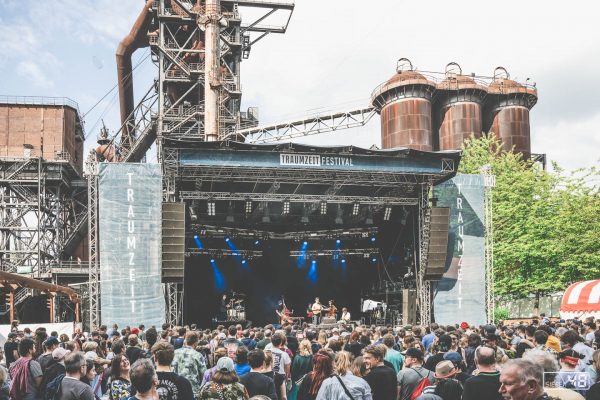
(331, 310)
(316, 308)
(345, 315)
(223, 308)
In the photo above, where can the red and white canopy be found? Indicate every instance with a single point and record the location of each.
(581, 299)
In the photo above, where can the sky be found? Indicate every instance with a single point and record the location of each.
(332, 57)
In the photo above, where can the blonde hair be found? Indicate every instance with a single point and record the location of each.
(268, 358)
(596, 360)
(305, 349)
(343, 362)
(2, 376)
(322, 339)
(358, 367)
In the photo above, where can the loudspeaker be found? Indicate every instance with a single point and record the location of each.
(409, 306)
(438, 243)
(173, 241)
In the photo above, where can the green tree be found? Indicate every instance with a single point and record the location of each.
(545, 223)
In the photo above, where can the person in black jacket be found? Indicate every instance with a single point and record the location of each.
(255, 382)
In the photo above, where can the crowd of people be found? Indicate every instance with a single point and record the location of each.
(536, 360)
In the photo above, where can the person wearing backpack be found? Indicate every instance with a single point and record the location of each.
(70, 387)
(414, 377)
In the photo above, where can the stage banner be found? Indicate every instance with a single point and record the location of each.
(460, 294)
(129, 223)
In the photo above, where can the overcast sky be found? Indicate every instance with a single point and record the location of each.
(332, 57)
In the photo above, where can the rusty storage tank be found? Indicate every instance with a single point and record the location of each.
(507, 112)
(458, 108)
(404, 103)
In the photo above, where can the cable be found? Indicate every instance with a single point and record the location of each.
(109, 92)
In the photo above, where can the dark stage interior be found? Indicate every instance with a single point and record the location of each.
(266, 279)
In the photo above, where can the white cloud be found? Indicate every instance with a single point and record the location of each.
(32, 72)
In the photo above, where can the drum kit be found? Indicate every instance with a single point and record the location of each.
(236, 310)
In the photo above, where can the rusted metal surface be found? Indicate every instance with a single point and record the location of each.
(15, 280)
(458, 103)
(136, 39)
(213, 71)
(407, 123)
(404, 102)
(507, 114)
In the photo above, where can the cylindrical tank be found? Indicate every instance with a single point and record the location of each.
(404, 103)
(458, 105)
(507, 112)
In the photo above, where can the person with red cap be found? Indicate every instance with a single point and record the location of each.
(464, 326)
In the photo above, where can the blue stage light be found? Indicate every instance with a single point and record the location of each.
(243, 261)
(195, 236)
(212, 260)
(257, 243)
(374, 259)
(343, 261)
(338, 241)
(305, 243)
(227, 239)
(373, 238)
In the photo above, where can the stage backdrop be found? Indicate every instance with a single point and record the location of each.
(460, 294)
(130, 197)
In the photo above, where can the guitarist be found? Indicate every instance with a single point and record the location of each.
(317, 307)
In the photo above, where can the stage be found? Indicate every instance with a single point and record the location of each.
(298, 222)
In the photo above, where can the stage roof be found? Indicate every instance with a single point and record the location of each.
(232, 173)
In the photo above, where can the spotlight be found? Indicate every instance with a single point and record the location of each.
(212, 260)
(256, 243)
(338, 241)
(374, 259)
(243, 262)
(211, 209)
(323, 207)
(343, 261)
(305, 243)
(373, 239)
(193, 215)
(355, 209)
(387, 213)
(313, 262)
(248, 206)
(286, 207)
(227, 239)
(195, 236)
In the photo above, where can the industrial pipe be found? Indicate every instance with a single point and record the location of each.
(136, 39)
(212, 69)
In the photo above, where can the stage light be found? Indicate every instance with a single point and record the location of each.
(256, 243)
(343, 261)
(244, 262)
(338, 241)
(195, 236)
(374, 259)
(286, 207)
(212, 260)
(312, 272)
(355, 209)
(227, 239)
(193, 215)
(211, 208)
(248, 206)
(323, 207)
(373, 239)
(305, 243)
(198, 242)
(387, 213)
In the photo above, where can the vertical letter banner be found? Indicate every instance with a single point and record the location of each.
(460, 294)
(129, 222)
